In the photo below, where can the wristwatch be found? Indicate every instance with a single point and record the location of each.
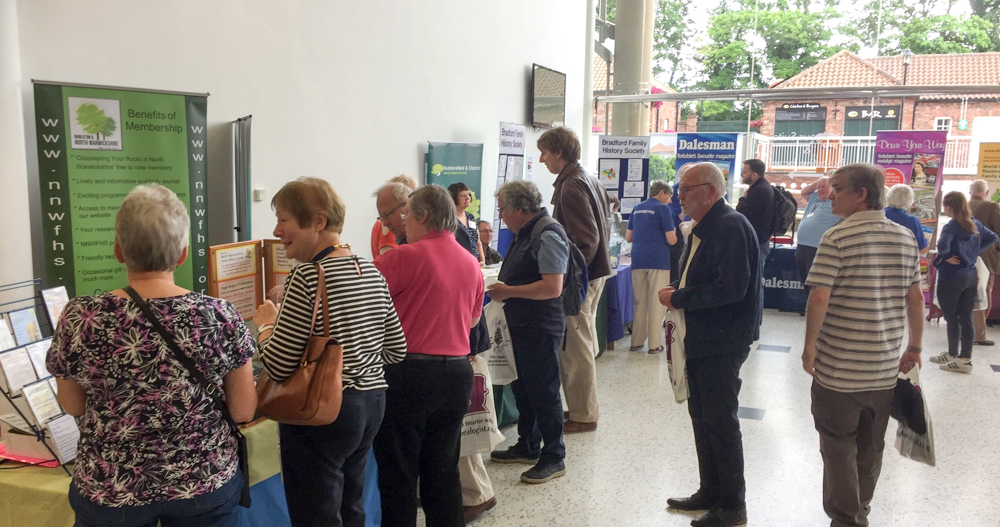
(913, 349)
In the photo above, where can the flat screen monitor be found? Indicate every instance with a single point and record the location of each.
(548, 97)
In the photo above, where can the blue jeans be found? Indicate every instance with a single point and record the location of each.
(216, 508)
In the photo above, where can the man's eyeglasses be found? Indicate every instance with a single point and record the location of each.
(384, 217)
(685, 190)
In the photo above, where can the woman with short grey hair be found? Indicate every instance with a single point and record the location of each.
(434, 203)
(900, 199)
(153, 444)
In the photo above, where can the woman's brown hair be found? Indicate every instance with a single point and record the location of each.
(960, 212)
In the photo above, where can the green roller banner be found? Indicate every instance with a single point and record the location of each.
(449, 163)
(95, 145)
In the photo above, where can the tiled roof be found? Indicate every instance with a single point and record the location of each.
(847, 69)
(601, 77)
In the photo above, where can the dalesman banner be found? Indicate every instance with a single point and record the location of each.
(95, 145)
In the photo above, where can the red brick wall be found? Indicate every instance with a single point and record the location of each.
(668, 111)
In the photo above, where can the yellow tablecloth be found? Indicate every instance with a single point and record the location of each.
(36, 496)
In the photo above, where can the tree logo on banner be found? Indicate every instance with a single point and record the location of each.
(437, 169)
(94, 121)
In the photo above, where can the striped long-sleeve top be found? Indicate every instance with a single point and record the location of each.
(362, 320)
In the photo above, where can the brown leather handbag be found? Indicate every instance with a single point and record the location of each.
(312, 395)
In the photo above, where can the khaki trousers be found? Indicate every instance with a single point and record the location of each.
(576, 358)
(979, 316)
(647, 311)
(476, 486)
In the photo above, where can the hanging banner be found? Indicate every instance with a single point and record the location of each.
(510, 166)
(623, 169)
(988, 168)
(916, 158)
(715, 148)
(449, 163)
(94, 146)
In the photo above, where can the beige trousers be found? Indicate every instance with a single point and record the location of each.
(476, 486)
(647, 311)
(979, 316)
(576, 358)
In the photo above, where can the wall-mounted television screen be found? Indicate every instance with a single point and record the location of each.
(548, 97)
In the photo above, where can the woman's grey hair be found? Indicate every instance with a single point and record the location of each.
(152, 228)
(660, 186)
(712, 174)
(520, 195)
(857, 176)
(900, 196)
(434, 203)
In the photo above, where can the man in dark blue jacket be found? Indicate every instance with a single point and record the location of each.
(718, 291)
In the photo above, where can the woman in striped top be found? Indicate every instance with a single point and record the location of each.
(323, 467)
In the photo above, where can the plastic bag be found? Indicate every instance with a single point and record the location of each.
(500, 357)
(479, 428)
(675, 356)
(910, 444)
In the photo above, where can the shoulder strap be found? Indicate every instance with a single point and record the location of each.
(199, 377)
(536, 231)
(321, 298)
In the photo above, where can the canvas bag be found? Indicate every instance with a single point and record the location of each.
(480, 432)
(675, 356)
(500, 357)
(918, 447)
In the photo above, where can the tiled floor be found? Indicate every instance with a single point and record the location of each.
(643, 451)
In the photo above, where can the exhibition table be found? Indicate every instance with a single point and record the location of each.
(37, 496)
(619, 293)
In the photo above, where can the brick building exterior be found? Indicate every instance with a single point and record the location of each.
(851, 117)
(667, 111)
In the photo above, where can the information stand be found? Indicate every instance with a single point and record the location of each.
(276, 264)
(235, 274)
(623, 169)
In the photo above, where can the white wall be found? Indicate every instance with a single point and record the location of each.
(347, 91)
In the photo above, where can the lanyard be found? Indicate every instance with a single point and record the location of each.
(322, 254)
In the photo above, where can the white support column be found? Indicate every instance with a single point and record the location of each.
(588, 82)
(630, 38)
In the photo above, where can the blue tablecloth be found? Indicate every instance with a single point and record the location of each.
(782, 287)
(619, 292)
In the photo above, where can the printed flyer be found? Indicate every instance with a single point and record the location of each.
(95, 145)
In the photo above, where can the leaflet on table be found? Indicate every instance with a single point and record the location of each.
(55, 301)
(6, 337)
(66, 435)
(37, 352)
(41, 401)
(16, 422)
(53, 385)
(24, 325)
(17, 369)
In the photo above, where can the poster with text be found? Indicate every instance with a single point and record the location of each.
(510, 166)
(716, 148)
(449, 163)
(94, 146)
(623, 169)
(988, 168)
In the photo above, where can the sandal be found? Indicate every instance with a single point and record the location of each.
(656, 350)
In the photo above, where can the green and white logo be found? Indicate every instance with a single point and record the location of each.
(94, 124)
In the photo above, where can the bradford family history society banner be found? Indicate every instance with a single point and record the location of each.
(449, 163)
(95, 145)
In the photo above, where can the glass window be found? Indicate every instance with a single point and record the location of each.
(942, 123)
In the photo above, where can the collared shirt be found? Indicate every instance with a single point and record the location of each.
(869, 263)
(649, 222)
(437, 288)
(816, 220)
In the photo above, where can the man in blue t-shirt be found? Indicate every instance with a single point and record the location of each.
(651, 233)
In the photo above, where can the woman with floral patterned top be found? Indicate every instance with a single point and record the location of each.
(153, 445)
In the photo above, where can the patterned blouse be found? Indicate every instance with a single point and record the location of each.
(473, 231)
(149, 432)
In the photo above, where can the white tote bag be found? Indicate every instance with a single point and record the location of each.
(918, 447)
(500, 357)
(675, 356)
(479, 429)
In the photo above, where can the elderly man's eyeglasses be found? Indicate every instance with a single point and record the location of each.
(685, 190)
(384, 217)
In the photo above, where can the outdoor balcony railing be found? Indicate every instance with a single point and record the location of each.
(824, 153)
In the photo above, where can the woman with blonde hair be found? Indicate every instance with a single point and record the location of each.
(961, 241)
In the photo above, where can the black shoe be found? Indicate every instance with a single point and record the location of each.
(513, 455)
(541, 473)
(720, 517)
(697, 502)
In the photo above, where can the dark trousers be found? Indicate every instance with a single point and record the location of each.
(215, 509)
(714, 384)
(420, 439)
(764, 250)
(804, 256)
(675, 256)
(957, 296)
(536, 393)
(851, 430)
(323, 467)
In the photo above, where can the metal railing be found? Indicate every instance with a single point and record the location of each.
(819, 153)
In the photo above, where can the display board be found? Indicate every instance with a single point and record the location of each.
(623, 169)
(988, 168)
(95, 144)
(276, 264)
(720, 149)
(235, 274)
(449, 163)
(510, 166)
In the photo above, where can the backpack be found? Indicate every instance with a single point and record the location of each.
(575, 280)
(785, 207)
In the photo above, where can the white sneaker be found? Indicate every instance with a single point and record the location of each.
(958, 366)
(943, 358)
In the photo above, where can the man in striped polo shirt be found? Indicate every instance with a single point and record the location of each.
(865, 282)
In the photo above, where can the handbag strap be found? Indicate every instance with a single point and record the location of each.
(320, 298)
(199, 377)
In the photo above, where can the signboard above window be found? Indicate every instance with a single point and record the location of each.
(869, 112)
(800, 111)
